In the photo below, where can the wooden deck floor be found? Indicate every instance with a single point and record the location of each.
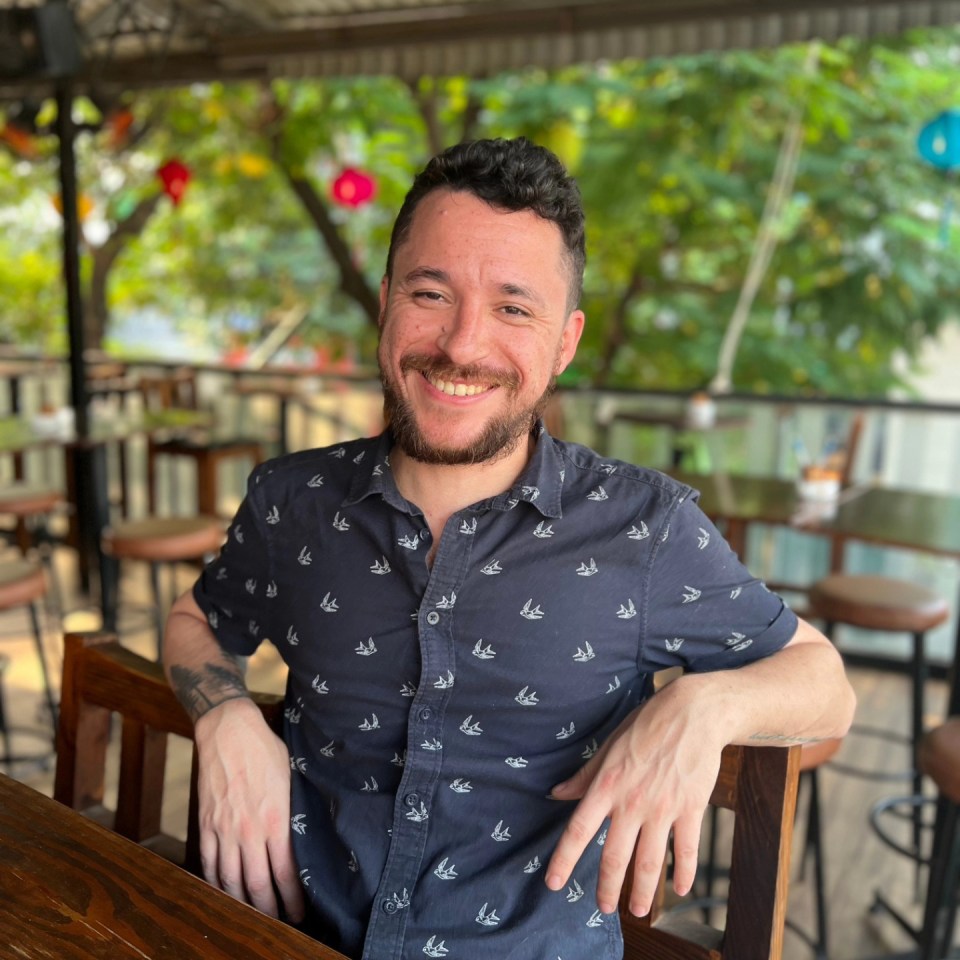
(857, 863)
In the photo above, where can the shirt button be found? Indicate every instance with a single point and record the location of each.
(433, 618)
(425, 535)
(389, 907)
(411, 799)
(426, 713)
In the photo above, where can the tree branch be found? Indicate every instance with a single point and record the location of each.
(352, 281)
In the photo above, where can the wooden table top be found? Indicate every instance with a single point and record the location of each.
(73, 890)
(18, 433)
(886, 516)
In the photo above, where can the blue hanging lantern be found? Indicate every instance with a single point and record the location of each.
(939, 144)
(939, 141)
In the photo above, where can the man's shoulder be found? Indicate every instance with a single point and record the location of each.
(585, 465)
(330, 468)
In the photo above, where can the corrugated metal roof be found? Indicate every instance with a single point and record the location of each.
(138, 42)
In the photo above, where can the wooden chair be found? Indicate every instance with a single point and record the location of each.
(206, 447)
(759, 784)
(99, 677)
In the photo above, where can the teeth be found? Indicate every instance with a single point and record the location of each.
(457, 389)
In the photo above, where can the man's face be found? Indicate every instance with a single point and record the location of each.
(474, 328)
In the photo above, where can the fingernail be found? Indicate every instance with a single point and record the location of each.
(554, 881)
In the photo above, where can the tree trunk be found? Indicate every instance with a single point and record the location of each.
(618, 334)
(96, 311)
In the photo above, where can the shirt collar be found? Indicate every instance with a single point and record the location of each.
(540, 484)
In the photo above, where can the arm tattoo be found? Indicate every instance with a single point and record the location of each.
(213, 684)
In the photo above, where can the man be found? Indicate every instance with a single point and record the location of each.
(471, 612)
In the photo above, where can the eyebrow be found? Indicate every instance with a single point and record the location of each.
(441, 276)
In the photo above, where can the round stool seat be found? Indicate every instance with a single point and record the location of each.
(877, 603)
(164, 539)
(940, 758)
(21, 582)
(24, 501)
(813, 755)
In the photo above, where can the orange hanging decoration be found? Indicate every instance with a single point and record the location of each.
(174, 176)
(353, 188)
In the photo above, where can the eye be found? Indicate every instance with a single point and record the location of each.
(514, 312)
(428, 296)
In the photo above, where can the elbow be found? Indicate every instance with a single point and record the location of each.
(845, 707)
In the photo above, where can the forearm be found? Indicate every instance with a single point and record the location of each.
(201, 673)
(800, 694)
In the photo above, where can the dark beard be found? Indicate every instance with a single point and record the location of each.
(499, 437)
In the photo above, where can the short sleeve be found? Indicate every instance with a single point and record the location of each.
(233, 589)
(705, 611)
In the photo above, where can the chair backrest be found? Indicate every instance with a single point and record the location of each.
(174, 390)
(100, 679)
(759, 784)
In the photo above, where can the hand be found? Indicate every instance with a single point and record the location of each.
(655, 773)
(244, 796)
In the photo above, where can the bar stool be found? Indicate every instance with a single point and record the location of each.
(939, 757)
(22, 584)
(812, 757)
(32, 508)
(162, 540)
(888, 605)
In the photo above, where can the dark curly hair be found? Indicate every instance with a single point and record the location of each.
(511, 175)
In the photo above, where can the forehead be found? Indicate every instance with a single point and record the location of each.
(454, 230)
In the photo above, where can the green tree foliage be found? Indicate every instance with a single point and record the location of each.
(674, 158)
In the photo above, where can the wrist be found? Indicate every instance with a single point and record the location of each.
(233, 707)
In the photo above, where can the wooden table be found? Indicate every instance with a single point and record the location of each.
(71, 889)
(678, 423)
(885, 516)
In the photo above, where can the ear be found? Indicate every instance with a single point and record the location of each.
(384, 290)
(569, 339)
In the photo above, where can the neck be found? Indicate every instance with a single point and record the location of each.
(441, 491)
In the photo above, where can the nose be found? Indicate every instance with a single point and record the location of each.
(464, 334)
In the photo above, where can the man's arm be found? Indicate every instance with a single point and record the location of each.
(657, 771)
(244, 783)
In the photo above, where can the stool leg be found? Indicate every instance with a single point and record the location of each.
(941, 906)
(4, 729)
(158, 606)
(815, 841)
(919, 679)
(41, 656)
(709, 874)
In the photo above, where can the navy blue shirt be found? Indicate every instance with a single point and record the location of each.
(430, 710)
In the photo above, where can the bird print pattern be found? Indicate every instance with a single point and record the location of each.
(532, 636)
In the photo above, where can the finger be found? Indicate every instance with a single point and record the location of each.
(614, 861)
(285, 874)
(258, 881)
(580, 830)
(647, 867)
(230, 872)
(686, 842)
(208, 858)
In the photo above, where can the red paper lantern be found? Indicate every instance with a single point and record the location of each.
(174, 176)
(353, 188)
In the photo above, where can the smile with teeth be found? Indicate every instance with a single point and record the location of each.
(452, 389)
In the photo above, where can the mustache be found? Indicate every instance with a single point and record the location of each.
(437, 368)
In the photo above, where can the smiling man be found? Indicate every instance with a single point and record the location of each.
(471, 611)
